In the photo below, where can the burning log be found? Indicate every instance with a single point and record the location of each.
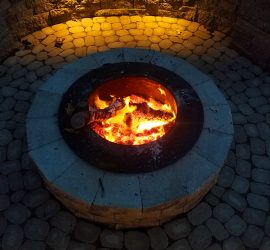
(104, 114)
(82, 118)
(144, 111)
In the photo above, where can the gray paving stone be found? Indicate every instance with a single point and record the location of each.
(86, 232)
(235, 200)
(158, 238)
(259, 188)
(15, 181)
(231, 159)
(265, 89)
(264, 109)
(3, 224)
(261, 175)
(19, 132)
(5, 80)
(75, 245)
(112, 239)
(4, 187)
(31, 180)
(7, 104)
(11, 125)
(4, 116)
(57, 239)
(4, 202)
(64, 221)
(17, 213)
(264, 131)
(265, 245)
(239, 87)
(236, 226)
(255, 118)
(223, 212)
(12, 238)
(239, 98)
(240, 185)
(267, 226)
(14, 150)
(8, 91)
(178, 228)
(257, 146)
(234, 76)
(257, 101)
(18, 82)
(218, 191)
(200, 238)
(233, 243)
(36, 197)
(253, 92)
(179, 245)
(212, 200)
(26, 163)
(253, 236)
(261, 162)
(254, 216)
(240, 135)
(3, 154)
(243, 151)
(23, 95)
(36, 229)
(258, 201)
(199, 214)
(217, 229)
(17, 196)
(5, 137)
(44, 70)
(33, 245)
(135, 240)
(268, 118)
(22, 106)
(226, 177)
(48, 209)
(251, 130)
(3, 70)
(215, 246)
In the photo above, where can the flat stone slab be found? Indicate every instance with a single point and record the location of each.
(128, 200)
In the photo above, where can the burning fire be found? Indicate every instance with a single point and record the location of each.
(131, 120)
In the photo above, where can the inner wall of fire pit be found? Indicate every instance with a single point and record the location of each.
(124, 79)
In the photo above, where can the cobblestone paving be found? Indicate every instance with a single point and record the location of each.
(233, 216)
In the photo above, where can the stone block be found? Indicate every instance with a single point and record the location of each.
(119, 190)
(53, 159)
(213, 146)
(38, 131)
(45, 104)
(84, 174)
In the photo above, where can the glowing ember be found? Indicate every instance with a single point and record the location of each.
(132, 119)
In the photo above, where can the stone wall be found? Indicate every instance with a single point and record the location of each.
(247, 20)
(251, 31)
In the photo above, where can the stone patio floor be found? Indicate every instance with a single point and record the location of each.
(235, 213)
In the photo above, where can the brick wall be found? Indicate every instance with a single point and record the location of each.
(251, 31)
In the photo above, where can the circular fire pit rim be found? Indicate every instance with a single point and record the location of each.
(164, 189)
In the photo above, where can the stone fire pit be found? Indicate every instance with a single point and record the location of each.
(128, 200)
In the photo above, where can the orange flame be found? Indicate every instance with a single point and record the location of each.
(140, 120)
